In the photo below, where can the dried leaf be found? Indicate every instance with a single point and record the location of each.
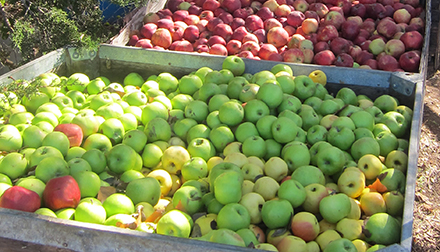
(105, 191)
(196, 232)
(378, 186)
(155, 216)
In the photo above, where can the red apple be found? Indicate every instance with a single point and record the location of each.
(61, 192)
(321, 46)
(350, 29)
(180, 15)
(233, 46)
(211, 5)
(410, 61)
(354, 51)
(301, 5)
(246, 3)
(162, 37)
(270, 23)
(218, 49)
(372, 63)
(226, 18)
(254, 22)
(275, 57)
(183, 46)
(213, 23)
(295, 18)
(387, 63)
(195, 10)
(363, 56)
(251, 46)
(173, 5)
(294, 55)
(240, 13)
(20, 198)
(266, 50)
(165, 23)
(365, 45)
(237, 22)
(344, 60)
(368, 25)
(277, 36)
(327, 33)
(290, 29)
(219, 11)
(144, 43)
(192, 19)
(324, 58)
(310, 25)
(358, 10)
(413, 40)
(147, 30)
(230, 5)
(261, 35)
(308, 55)
(250, 37)
(312, 14)
(387, 27)
(320, 9)
(177, 33)
(265, 13)
(72, 131)
(334, 18)
(340, 45)
(389, 11)
(239, 33)
(133, 40)
(202, 49)
(215, 39)
(223, 30)
(206, 15)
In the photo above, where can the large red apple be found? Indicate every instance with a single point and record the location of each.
(206, 15)
(295, 18)
(218, 49)
(165, 23)
(409, 61)
(271, 23)
(387, 63)
(266, 50)
(223, 30)
(363, 56)
(277, 36)
(162, 37)
(327, 33)
(294, 55)
(261, 35)
(192, 19)
(20, 198)
(320, 9)
(213, 23)
(226, 17)
(233, 46)
(211, 5)
(230, 5)
(350, 29)
(265, 13)
(340, 45)
(344, 60)
(387, 27)
(216, 40)
(72, 131)
(191, 33)
(239, 33)
(413, 40)
(144, 43)
(183, 46)
(321, 46)
(254, 22)
(251, 46)
(61, 192)
(324, 58)
(237, 22)
(147, 30)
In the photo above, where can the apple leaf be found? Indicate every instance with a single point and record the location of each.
(196, 232)
(105, 191)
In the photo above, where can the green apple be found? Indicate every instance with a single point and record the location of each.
(276, 168)
(42, 153)
(235, 86)
(386, 103)
(78, 164)
(88, 123)
(234, 64)
(201, 147)
(348, 96)
(296, 155)
(144, 190)
(77, 81)
(113, 129)
(270, 94)
(248, 237)
(66, 213)
(281, 67)
(4, 187)
(254, 146)
(334, 208)
(198, 131)
(189, 198)
(276, 213)
(362, 119)
(330, 160)
(227, 187)
(363, 146)
(231, 113)
(264, 126)
(342, 244)
(254, 110)
(248, 92)
(393, 179)
(216, 77)
(180, 101)
(344, 121)
(189, 84)
(405, 111)
(121, 158)
(233, 216)
(197, 110)
(21, 118)
(383, 229)
(350, 229)
(32, 184)
(57, 140)
(396, 122)
(10, 138)
(35, 100)
(195, 168)
(182, 126)
(5, 179)
(118, 203)
(286, 82)
(394, 202)
(130, 175)
(202, 72)
(289, 102)
(309, 116)
(158, 129)
(14, 165)
(313, 102)
(207, 91)
(89, 183)
(46, 211)
(90, 212)
(341, 137)
(316, 133)
(284, 130)
(314, 194)
(175, 223)
(370, 165)
(387, 142)
(136, 139)
(307, 175)
(97, 141)
(167, 82)
(51, 167)
(292, 191)
(304, 87)
(153, 110)
(376, 113)
(134, 79)
(220, 137)
(111, 110)
(380, 127)
(251, 171)
(273, 149)
(362, 132)
(63, 102)
(262, 76)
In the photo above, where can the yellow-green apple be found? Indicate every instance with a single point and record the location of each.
(224, 236)
(397, 159)
(91, 212)
(66, 213)
(246, 129)
(189, 84)
(315, 149)
(251, 171)
(190, 198)
(376, 113)
(387, 142)
(158, 129)
(361, 245)
(136, 139)
(308, 174)
(349, 228)
(289, 102)
(393, 179)
(326, 237)
(343, 121)
(153, 110)
(342, 244)
(372, 202)
(236, 158)
(23, 117)
(118, 203)
(247, 186)
(351, 182)
(89, 124)
(173, 158)
(305, 226)
(364, 146)
(10, 138)
(89, 183)
(194, 168)
(233, 216)
(61, 192)
(253, 202)
(356, 211)
(181, 127)
(198, 131)
(382, 228)
(248, 236)
(276, 168)
(386, 103)
(325, 225)
(254, 146)
(394, 202)
(45, 211)
(266, 187)
(130, 175)
(276, 213)
(370, 165)
(292, 191)
(204, 224)
(208, 90)
(314, 194)
(274, 236)
(20, 198)
(289, 242)
(335, 207)
(14, 165)
(248, 92)
(144, 190)
(116, 219)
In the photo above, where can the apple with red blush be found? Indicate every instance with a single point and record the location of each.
(183, 46)
(266, 50)
(334, 18)
(372, 63)
(216, 39)
(327, 33)
(173, 5)
(354, 51)
(147, 30)
(206, 15)
(254, 22)
(321, 46)
(251, 46)
(200, 41)
(294, 55)
(226, 17)
(20, 198)
(295, 18)
(218, 49)
(144, 43)
(345, 6)
(319, 8)
(180, 15)
(295, 40)
(213, 23)
(246, 54)
(211, 5)
(237, 22)
(413, 40)
(290, 29)
(308, 55)
(275, 57)
(277, 36)
(301, 5)
(350, 29)
(177, 33)
(240, 13)
(387, 27)
(202, 48)
(270, 23)
(192, 19)
(387, 63)
(310, 25)
(205, 34)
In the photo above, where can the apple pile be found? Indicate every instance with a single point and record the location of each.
(371, 34)
(266, 160)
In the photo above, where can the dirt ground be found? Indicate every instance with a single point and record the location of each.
(426, 228)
